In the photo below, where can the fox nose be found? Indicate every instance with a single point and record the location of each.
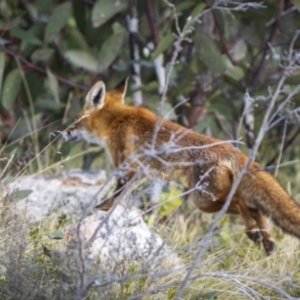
(71, 135)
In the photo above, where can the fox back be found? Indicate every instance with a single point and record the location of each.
(106, 120)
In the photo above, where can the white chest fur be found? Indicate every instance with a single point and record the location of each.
(92, 138)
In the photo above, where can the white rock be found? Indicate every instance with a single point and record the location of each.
(65, 193)
(120, 237)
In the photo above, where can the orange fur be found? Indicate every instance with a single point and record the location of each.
(202, 160)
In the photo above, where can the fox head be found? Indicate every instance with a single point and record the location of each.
(91, 122)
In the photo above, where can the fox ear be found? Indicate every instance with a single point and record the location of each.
(122, 88)
(125, 88)
(96, 96)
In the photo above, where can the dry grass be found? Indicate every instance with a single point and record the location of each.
(230, 267)
(230, 254)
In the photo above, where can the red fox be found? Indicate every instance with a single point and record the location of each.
(209, 166)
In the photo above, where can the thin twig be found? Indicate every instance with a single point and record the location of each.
(281, 148)
(286, 145)
(152, 22)
(222, 40)
(266, 49)
(34, 67)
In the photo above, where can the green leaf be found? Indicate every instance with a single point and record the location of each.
(11, 88)
(295, 79)
(57, 21)
(104, 10)
(2, 24)
(2, 67)
(74, 39)
(108, 53)
(225, 235)
(53, 85)
(25, 36)
(20, 194)
(164, 44)
(209, 52)
(83, 59)
(297, 4)
(48, 104)
(154, 103)
(239, 50)
(184, 5)
(235, 72)
(56, 235)
(80, 15)
(211, 296)
(110, 50)
(251, 34)
(42, 54)
(170, 200)
(222, 108)
(198, 10)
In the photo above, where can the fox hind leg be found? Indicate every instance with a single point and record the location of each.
(205, 204)
(261, 221)
(262, 234)
(252, 232)
(251, 217)
(212, 198)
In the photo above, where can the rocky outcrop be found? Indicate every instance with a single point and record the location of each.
(116, 238)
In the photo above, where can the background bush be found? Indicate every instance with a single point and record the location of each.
(53, 51)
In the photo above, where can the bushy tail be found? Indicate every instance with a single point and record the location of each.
(270, 197)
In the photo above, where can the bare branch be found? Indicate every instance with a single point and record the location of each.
(33, 67)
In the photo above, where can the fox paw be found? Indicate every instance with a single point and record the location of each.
(269, 246)
(105, 205)
(254, 235)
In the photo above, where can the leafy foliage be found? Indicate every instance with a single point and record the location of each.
(52, 51)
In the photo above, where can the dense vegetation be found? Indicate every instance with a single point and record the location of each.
(53, 51)
(214, 66)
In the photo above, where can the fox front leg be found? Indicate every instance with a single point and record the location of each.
(122, 182)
